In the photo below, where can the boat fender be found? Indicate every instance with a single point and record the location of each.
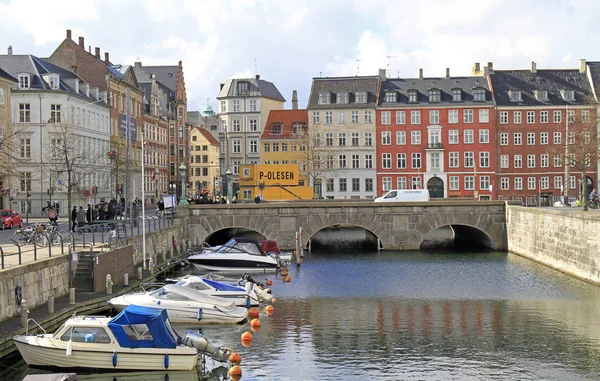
(114, 359)
(166, 361)
(69, 346)
(248, 302)
(199, 314)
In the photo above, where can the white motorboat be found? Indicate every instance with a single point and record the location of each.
(184, 305)
(139, 338)
(262, 292)
(241, 296)
(238, 255)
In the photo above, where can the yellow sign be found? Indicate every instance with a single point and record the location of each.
(269, 174)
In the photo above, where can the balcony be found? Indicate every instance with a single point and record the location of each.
(434, 146)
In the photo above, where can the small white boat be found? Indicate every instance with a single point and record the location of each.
(241, 296)
(139, 338)
(184, 305)
(262, 292)
(238, 255)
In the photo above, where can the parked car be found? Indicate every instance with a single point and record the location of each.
(10, 218)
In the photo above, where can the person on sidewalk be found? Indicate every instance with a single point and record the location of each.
(73, 218)
(81, 215)
(52, 216)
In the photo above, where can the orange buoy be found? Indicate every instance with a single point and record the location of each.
(284, 271)
(253, 312)
(273, 300)
(255, 323)
(235, 373)
(269, 282)
(269, 310)
(235, 358)
(246, 336)
(287, 279)
(247, 344)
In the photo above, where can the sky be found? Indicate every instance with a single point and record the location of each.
(289, 42)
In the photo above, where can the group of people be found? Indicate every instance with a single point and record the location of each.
(205, 198)
(100, 212)
(594, 199)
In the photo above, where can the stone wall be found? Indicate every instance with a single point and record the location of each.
(564, 239)
(116, 263)
(38, 281)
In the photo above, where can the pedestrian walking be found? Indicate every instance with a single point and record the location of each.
(88, 214)
(81, 216)
(73, 218)
(52, 216)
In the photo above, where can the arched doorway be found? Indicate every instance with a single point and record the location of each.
(435, 186)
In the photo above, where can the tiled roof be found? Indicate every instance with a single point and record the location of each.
(594, 68)
(167, 75)
(402, 86)
(552, 81)
(5, 75)
(256, 88)
(207, 135)
(351, 85)
(287, 118)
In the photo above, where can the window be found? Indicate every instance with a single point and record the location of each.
(415, 117)
(342, 97)
(276, 147)
(401, 182)
(386, 117)
(23, 81)
(484, 116)
(453, 137)
(181, 131)
(530, 161)
(543, 116)
(557, 161)
(571, 115)
(267, 147)
(434, 137)
(237, 146)
(434, 117)
(484, 159)
(386, 138)
(518, 161)
(434, 95)
(368, 118)
(341, 117)
(329, 139)
(386, 183)
(355, 139)
(253, 146)
(558, 138)
(276, 129)
(284, 147)
(568, 95)
(468, 116)
(515, 96)
(468, 137)
(415, 137)
(355, 161)
(386, 161)
(400, 138)
(503, 161)
(329, 185)
(469, 159)
(570, 137)
(355, 185)
(543, 138)
(456, 95)
(342, 161)
(558, 182)
(557, 116)
(454, 183)
(401, 160)
(53, 81)
(55, 114)
(530, 117)
(484, 136)
(329, 161)
(253, 105)
(25, 148)
(316, 117)
(368, 161)
(223, 106)
(1, 96)
(484, 182)
(531, 138)
(237, 125)
(416, 160)
(360, 97)
(545, 182)
(342, 138)
(541, 95)
(585, 116)
(354, 116)
(503, 117)
(412, 96)
(518, 183)
(453, 116)
(544, 160)
(390, 96)
(24, 112)
(416, 183)
(253, 125)
(328, 117)
(25, 182)
(368, 185)
(517, 139)
(479, 95)
(504, 183)
(324, 98)
(453, 159)
(400, 117)
(368, 139)
(469, 183)
(517, 117)
(98, 335)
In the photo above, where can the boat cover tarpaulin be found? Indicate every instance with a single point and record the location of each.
(270, 246)
(130, 335)
(222, 286)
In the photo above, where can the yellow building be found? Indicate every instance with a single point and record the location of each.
(204, 163)
(272, 182)
(6, 81)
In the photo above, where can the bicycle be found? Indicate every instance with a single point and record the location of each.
(53, 235)
(31, 236)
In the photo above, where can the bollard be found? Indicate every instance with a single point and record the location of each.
(126, 279)
(24, 312)
(109, 284)
(140, 273)
(171, 251)
(72, 295)
(151, 266)
(297, 251)
(301, 245)
(51, 305)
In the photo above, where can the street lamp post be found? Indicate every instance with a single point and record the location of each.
(228, 180)
(28, 206)
(143, 210)
(156, 183)
(183, 200)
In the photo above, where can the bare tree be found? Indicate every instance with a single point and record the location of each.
(10, 133)
(314, 158)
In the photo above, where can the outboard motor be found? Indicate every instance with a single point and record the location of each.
(196, 340)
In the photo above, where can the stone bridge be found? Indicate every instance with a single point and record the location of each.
(398, 226)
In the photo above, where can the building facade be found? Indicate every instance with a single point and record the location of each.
(341, 127)
(436, 134)
(6, 147)
(205, 174)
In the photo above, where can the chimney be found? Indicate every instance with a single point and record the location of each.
(533, 67)
(476, 69)
(257, 76)
(69, 34)
(81, 43)
(491, 67)
(106, 60)
(9, 50)
(382, 74)
(582, 65)
(97, 51)
(447, 72)
(420, 73)
(294, 100)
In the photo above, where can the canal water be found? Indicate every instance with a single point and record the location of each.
(354, 314)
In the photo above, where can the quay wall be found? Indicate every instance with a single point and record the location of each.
(563, 239)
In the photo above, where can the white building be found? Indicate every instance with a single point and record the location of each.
(50, 104)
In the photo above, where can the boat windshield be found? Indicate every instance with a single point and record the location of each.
(193, 285)
(233, 246)
(164, 294)
(86, 335)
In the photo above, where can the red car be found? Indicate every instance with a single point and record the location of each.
(10, 218)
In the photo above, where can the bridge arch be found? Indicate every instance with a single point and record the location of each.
(335, 232)
(457, 236)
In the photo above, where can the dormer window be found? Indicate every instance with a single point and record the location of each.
(276, 129)
(324, 98)
(568, 95)
(87, 89)
(361, 97)
(342, 97)
(391, 97)
(479, 95)
(456, 95)
(515, 95)
(243, 88)
(434, 95)
(412, 96)
(24, 81)
(54, 81)
(297, 128)
(541, 95)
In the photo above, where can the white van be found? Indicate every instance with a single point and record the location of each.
(404, 195)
